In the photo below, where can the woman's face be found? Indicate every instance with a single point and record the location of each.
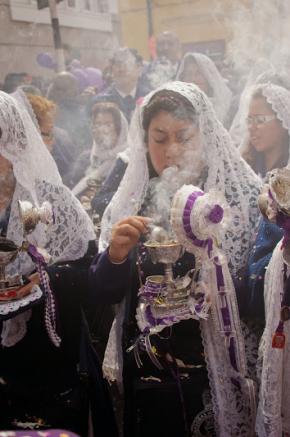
(104, 130)
(174, 142)
(192, 74)
(265, 130)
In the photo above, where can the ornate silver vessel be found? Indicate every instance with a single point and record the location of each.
(8, 253)
(30, 217)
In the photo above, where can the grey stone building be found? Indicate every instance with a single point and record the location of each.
(90, 26)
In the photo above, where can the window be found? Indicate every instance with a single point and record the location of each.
(87, 5)
(103, 6)
(71, 3)
(72, 13)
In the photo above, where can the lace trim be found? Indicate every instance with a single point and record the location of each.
(15, 329)
(233, 409)
(273, 416)
(229, 174)
(221, 94)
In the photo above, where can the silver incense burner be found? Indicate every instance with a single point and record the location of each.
(163, 299)
(174, 292)
(8, 253)
(30, 216)
(274, 204)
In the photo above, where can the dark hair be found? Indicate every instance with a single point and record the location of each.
(109, 108)
(64, 87)
(137, 56)
(12, 81)
(169, 101)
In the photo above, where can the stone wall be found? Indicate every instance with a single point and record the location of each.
(20, 42)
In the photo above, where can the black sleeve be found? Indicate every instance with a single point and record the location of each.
(108, 282)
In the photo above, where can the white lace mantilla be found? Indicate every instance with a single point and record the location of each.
(278, 98)
(103, 157)
(273, 416)
(221, 94)
(228, 173)
(14, 329)
(38, 180)
(17, 304)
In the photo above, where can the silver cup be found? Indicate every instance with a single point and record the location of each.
(8, 253)
(167, 253)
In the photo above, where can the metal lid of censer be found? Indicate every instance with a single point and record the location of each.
(17, 293)
(8, 252)
(274, 204)
(196, 218)
(14, 287)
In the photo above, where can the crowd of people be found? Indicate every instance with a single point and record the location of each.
(108, 151)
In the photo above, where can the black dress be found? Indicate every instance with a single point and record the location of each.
(174, 401)
(56, 387)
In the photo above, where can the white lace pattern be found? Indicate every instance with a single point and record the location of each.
(273, 416)
(279, 100)
(228, 173)
(103, 158)
(38, 180)
(221, 94)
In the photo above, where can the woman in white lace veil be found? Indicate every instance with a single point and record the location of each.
(273, 416)
(274, 396)
(266, 140)
(201, 70)
(261, 73)
(223, 169)
(110, 139)
(36, 179)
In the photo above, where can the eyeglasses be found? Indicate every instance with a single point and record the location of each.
(97, 127)
(259, 120)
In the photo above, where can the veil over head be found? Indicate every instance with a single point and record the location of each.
(221, 94)
(103, 157)
(229, 173)
(226, 171)
(278, 98)
(274, 397)
(38, 180)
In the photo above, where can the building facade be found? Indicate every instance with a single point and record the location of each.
(89, 26)
(200, 24)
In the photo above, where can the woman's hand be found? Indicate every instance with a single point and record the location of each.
(125, 235)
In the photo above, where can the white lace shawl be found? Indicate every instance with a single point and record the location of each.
(239, 126)
(38, 180)
(221, 94)
(234, 409)
(273, 416)
(279, 99)
(102, 158)
(227, 172)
